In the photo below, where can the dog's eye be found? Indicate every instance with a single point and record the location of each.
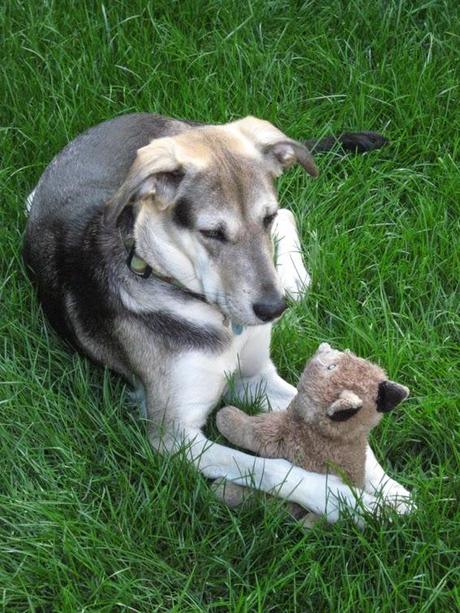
(331, 366)
(269, 219)
(217, 234)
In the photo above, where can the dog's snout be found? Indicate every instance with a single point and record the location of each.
(270, 309)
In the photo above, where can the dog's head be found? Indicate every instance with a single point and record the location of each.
(204, 202)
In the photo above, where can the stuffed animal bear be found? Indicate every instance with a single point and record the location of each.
(340, 398)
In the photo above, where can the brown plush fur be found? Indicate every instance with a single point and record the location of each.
(340, 398)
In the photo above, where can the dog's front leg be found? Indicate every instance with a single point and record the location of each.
(377, 482)
(289, 261)
(178, 405)
(324, 495)
(265, 387)
(257, 378)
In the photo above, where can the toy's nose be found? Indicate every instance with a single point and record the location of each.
(324, 347)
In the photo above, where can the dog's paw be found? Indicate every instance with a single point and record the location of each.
(292, 273)
(294, 276)
(399, 499)
(393, 495)
(355, 503)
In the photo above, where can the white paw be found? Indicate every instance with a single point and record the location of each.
(289, 261)
(341, 497)
(29, 200)
(398, 498)
(136, 398)
(293, 275)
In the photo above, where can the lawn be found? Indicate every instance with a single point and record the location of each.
(90, 518)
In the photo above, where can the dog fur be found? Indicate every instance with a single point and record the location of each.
(199, 205)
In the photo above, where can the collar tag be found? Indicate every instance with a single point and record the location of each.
(237, 329)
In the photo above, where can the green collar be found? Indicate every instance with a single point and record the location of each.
(139, 267)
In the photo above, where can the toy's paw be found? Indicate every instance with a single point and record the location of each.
(229, 493)
(228, 420)
(310, 520)
(304, 518)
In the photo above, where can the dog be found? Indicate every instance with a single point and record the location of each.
(150, 241)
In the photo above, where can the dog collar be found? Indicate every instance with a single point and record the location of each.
(139, 267)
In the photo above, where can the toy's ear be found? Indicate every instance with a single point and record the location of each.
(346, 405)
(390, 395)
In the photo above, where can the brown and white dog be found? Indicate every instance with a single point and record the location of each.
(150, 241)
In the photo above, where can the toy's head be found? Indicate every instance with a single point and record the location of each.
(344, 394)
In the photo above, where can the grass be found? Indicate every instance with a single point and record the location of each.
(90, 518)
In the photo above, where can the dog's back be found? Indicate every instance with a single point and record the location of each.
(65, 206)
(92, 167)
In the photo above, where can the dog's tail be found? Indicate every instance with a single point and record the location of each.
(354, 142)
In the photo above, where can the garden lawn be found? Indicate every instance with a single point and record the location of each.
(90, 518)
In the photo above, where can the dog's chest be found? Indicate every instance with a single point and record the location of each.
(231, 358)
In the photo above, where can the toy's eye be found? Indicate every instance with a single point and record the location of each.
(331, 366)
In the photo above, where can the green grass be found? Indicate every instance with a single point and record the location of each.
(90, 518)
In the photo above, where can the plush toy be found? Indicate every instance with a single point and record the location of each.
(340, 398)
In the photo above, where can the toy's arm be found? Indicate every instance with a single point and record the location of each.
(240, 429)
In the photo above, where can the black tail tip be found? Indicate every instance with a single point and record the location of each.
(360, 142)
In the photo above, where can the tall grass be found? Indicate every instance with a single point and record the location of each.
(90, 518)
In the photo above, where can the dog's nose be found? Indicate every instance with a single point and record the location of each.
(269, 309)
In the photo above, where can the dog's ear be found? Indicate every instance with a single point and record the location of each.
(280, 150)
(346, 405)
(153, 178)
